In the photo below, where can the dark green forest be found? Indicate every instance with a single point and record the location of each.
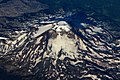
(109, 8)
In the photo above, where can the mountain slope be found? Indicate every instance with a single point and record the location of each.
(62, 51)
(14, 8)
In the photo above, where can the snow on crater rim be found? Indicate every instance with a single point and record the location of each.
(62, 25)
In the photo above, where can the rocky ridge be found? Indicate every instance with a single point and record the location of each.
(62, 51)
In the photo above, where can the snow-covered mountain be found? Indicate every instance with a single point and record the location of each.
(61, 51)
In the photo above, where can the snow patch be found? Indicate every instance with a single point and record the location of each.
(63, 43)
(3, 38)
(62, 25)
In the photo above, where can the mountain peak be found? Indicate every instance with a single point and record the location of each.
(61, 25)
(58, 48)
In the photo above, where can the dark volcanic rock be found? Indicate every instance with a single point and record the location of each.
(14, 8)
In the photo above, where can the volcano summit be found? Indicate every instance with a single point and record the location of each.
(63, 44)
